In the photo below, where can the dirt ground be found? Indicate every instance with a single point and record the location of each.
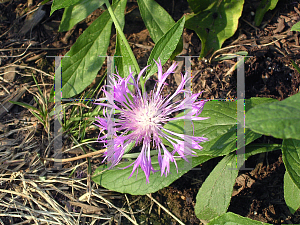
(268, 72)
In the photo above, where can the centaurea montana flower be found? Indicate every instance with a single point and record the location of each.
(140, 118)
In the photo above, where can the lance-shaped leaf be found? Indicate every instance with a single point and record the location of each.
(83, 63)
(59, 4)
(75, 13)
(165, 46)
(215, 193)
(123, 60)
(157, 21)
(291, 193)
(291, 159)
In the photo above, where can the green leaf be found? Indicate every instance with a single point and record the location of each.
(215, 24)
(231, 56)
(263, 7)
(252, 102)
(75, 13)
(165, 46)
(291, 193)
(278, 119)
(220, 128)
(124, 62)
(117, 179)
(291, 159)
(83, 63)
(234, 219)
(295, 66)
(215, 193)
(199, 5)
(59, 4)
(25, 105)
(157, 21)
(156, 18)
(296, 27)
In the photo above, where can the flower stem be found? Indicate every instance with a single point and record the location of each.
(119, 29)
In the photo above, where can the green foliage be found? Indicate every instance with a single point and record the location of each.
(75, 13)
(217, 126)
(291, 159)
(81, 66)
(41, 112)
(220, 128)
(214, 21)
(296, 27)
(291, 193)
(215, 193)
(59, 4)
(295, 66)
(214, 24)
(123, 61)
(199, 5)
(263, 7)
(165, 46)
(278, 119)
(116, 179)
(157, 21)
(234, 219)
(256, 148)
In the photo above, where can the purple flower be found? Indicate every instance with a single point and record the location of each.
(140, 118)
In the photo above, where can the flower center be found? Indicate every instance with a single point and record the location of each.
(145, 117)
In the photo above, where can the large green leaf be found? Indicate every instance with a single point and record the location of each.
(215, 24)
(220, 128)
(291, 193)
(291, 159)
(234, 219)
(75, 13)
(59, 4)
(83, 63)
(215, 193)
(117, 179)
(165, 46)
(278, 119)
(263, 7)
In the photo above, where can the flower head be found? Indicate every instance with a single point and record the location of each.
(140, 119)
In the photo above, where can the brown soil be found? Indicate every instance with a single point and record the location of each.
(269, 73)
